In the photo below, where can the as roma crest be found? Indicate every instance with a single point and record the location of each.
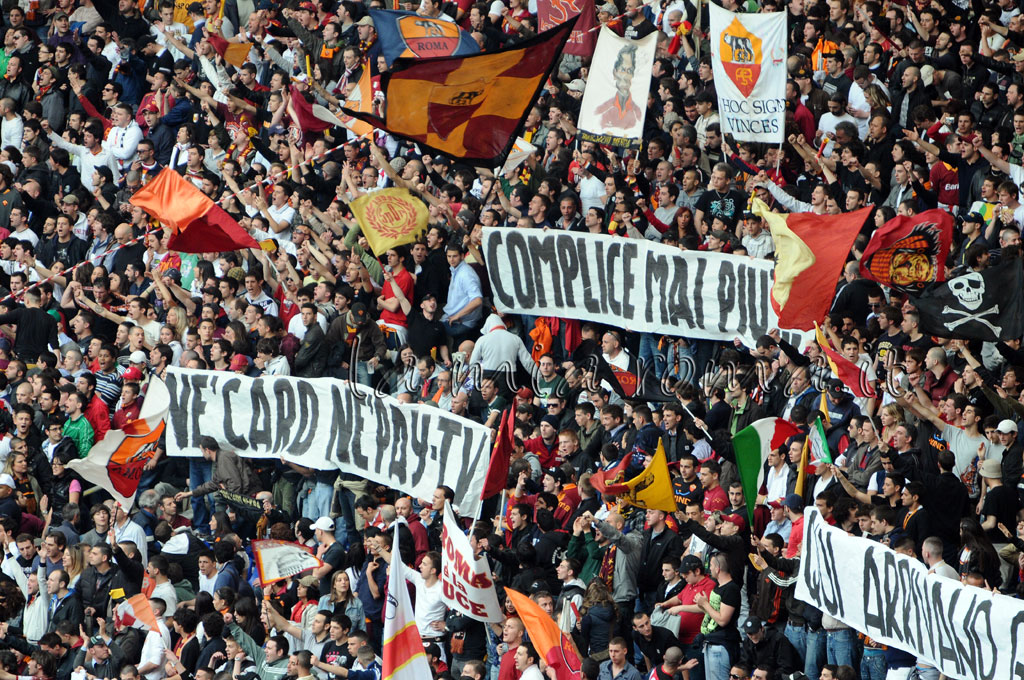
(428, 37)
(127, 462)
(741, 56)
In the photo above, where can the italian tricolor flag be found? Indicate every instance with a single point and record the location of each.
(751, 446)
(818, 444)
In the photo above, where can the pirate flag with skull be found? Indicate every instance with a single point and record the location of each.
(986, 305)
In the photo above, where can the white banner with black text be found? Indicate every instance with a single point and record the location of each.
(324, 424)
(966, 632)
(630, 283)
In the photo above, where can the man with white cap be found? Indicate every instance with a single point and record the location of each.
(329, 550)
(1013, 456)
(8, 506)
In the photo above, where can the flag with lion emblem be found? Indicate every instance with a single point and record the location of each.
(908, 253)
(749, 64)
(116, 464)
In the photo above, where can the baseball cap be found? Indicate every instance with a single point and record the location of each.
(795, 501)
(989, 469)
(96, 641)
(358, 314)
(324, 524)
(690, 563)
(71, 198)
(365, 21)
(802, 73)
(309, 580)
(132, 374)
(775, 505)
(239, 362)
(1006, 426)
(752, 625)
(276, 130)
(137, 357)
(974, 216)
(740, 523)
(308, 6)
(836, 388)
(5, 344)
(150, 107)
(7, 480)
(609, 8)
(577, 85)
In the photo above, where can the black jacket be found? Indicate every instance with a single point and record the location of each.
(94, 589)
(68, 609)
(774, 651)
(656, 549)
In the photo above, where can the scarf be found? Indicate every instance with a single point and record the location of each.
(607, 570)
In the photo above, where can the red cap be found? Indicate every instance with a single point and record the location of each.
(133, 374)
(307, 6)
(740, 523)
(774, 505)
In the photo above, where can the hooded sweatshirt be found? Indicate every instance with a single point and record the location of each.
(498, 349)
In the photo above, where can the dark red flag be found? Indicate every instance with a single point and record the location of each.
(908, 253)
(497, 469)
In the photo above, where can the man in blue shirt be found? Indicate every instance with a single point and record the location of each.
(464, 310)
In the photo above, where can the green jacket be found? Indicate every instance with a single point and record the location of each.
(585, 549)
(80, 432)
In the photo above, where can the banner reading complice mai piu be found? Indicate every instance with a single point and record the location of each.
(325, 424)
(631, 283)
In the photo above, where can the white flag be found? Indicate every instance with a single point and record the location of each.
(466, 583)
(749, 64)
(404, 658)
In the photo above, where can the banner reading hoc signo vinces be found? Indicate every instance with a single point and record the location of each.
(749, 64)
(631, 283)
(327, 424)
(966, 632)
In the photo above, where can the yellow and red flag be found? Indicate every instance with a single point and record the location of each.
(471, 108)
(556, 647)
(235, 53)
(403, 656)
(199, 224)
(810, 252)
(389, 218)
(848, 372)
(116, 463)
(135, 612)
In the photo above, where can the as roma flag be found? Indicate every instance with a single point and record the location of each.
(582, 41)
(116, 463)
(389, 218)
(908, 253)
(411, 36)
(810, 251)
(504, 443)
(471, 108)
(199, 224)
(612, 481)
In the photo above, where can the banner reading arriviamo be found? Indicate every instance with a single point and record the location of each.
(964, 631)
(749, 64)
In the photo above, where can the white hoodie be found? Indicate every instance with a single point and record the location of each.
(497, 348)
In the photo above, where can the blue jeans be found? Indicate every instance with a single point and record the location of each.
(345, 525)
(816, 655)
(872, 664)
(317, 503)
(653, 358)
(716, 662)
(200, 471)
(841, 647)
(920, 673)
(458, 331)
(798, 636)
(692, 651)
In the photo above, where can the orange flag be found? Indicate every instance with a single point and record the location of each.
(235, 53)
(556, 647)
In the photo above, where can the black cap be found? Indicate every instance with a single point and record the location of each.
(752, 625)
(690, 563)
(359, 315)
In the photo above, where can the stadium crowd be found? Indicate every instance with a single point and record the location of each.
(904, 107)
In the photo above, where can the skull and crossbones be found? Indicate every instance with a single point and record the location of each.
(969, 289)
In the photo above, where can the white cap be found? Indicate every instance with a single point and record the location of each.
(1006, 426)
(137, 357)
(323, 524)
(496, 8)
(7, 480)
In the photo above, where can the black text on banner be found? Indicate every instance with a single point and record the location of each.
(325, 424)
(640, 285)
(966, 632)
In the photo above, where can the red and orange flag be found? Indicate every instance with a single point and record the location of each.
(471, 108)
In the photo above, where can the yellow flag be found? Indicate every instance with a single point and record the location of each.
(389, 218)
(801, 475)
(652, 488)
(792, 255)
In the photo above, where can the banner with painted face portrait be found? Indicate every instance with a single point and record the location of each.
(615, 99)
(749, 62)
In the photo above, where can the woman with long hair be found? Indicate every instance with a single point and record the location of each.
(25, 484)
(308, 592)
(597, 619)
(220, 525)
(236, 334)
(74, 563)
(891, 416)
(341, 600)
(247, 614)
(977, 554)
